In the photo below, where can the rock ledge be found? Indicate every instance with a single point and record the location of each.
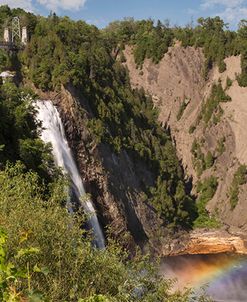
(209, 242)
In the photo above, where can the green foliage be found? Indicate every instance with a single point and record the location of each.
(184, 35)
(97, 128)
(4, 60)
(122, 57)
(201, 162)
(242, 78)
(240, 178)
(151, 41)
(221, 146)
(121, 32)
(209, 160)
(181, 110)
(7, 272)
(198, 158)
(222, 66)
(211, 106)
(18, 132)
(13, 275)
(45, 251)
(242, 43)
(210, 34)
(192, 129)
(77, 49)
(206, 191)
(98, 298)
(228, 83)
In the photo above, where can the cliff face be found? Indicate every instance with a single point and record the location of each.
(114, 181)
(178, 80)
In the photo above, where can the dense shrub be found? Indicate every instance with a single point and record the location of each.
(206, 190)
(46, 256)
(240, 178)
(211, 107)
(209, 160)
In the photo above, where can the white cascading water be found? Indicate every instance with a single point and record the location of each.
(53, 132)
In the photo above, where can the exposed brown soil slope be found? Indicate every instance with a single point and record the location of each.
(177, 78)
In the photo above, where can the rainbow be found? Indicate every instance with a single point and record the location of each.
(223, 275)
(217, 270)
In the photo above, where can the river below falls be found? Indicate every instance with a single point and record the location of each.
(224, 276)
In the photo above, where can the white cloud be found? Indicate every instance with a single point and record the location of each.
(29, 5)
(25, 4)
(234, 14)
(231, 11)
(62, 4)
(206, 4)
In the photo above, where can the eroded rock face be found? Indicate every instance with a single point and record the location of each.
(177, 79)
(215, 243)
(205, 242)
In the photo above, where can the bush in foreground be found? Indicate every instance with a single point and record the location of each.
(50, 258)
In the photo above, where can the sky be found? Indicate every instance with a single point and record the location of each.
(102, 12)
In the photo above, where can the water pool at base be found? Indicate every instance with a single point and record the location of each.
(223, 275)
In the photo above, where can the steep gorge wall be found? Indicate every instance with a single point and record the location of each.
(177, 79)
(115, 181)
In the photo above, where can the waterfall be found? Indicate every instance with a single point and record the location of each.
(53, 132)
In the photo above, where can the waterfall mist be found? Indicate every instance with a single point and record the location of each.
(53, 132)
(223, 275)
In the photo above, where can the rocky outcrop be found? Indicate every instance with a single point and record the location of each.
(204, 242)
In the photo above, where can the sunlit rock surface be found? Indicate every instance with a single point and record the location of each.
(207, 242)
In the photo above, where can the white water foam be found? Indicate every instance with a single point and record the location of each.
(53, 132)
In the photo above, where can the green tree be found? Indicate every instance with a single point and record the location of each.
(209, 160)
(206, 191)
(239, 179)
